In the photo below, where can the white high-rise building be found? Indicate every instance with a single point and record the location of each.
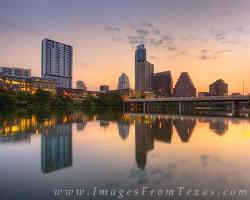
(57, 62)
(123, 82)
(81, 86)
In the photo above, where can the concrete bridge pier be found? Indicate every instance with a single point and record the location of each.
(144, 107)
(180, 107)
(235, 105)
(235, 108)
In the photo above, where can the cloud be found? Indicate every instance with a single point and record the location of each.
(136, 40)
(146, 33)
(206, 54)
(183, 52)
(146, 24)
(219, 35)
(111, 28)
(11, 25)
(14, 26)
(142, 32)
(117, 39)
(242, 29)
(172, 48)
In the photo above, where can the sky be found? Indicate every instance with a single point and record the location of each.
(209, 39)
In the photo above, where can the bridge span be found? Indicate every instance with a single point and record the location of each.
(234, 100)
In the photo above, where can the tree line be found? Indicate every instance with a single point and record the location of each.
(44, 98)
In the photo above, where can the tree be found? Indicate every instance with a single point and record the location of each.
(43, 97)
(23, 98)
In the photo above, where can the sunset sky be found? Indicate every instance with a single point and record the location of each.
(209, 39)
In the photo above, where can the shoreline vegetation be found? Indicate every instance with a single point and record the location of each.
(42, 98)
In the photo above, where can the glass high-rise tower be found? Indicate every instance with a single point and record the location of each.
(57, 62)
(144, 71)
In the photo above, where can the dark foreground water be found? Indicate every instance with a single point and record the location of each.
(106, 154)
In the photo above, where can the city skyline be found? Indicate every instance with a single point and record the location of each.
(209, 40)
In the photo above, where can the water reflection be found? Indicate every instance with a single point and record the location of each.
(144, 141)
(56, 148)
(184, 128)
(56, 132)
(219, 126)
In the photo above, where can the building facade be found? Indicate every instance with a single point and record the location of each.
(218, 88)
(184, 86)
(144, 71)
(123, 82)
(15, 72)
(104, 88)
(163, 84)
(81, 86)
(31, 84)
(57, 62)
(76, 95)
(16, 84)
(42, 83)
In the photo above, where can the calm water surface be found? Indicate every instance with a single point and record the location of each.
(68, 149)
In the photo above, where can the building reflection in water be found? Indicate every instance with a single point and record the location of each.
(218, 125)
(149, 128)
(184, 128)
(20, 129)
(57, 148)
(104, 123)
(163, 130)
(144, 141)
(123, 128)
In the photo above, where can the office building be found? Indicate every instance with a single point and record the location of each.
(184, 86)
(81, 86)
(104, 88)
(123, 82)
(144, 71)
(15, 72)
(218, 88)
(203, 94)
(74, 94)
(163, 84)
(31, 84)
(42, 83)
(57, 62)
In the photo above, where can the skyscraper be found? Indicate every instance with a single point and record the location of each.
(163, 84)
(144, 71)
(184, 87)
(57, 62)
(218, 88)
(123, 82)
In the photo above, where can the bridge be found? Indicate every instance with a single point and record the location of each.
(233, 100)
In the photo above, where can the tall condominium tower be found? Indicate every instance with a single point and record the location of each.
(57, 62)
(144, 71)
(184, 87)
